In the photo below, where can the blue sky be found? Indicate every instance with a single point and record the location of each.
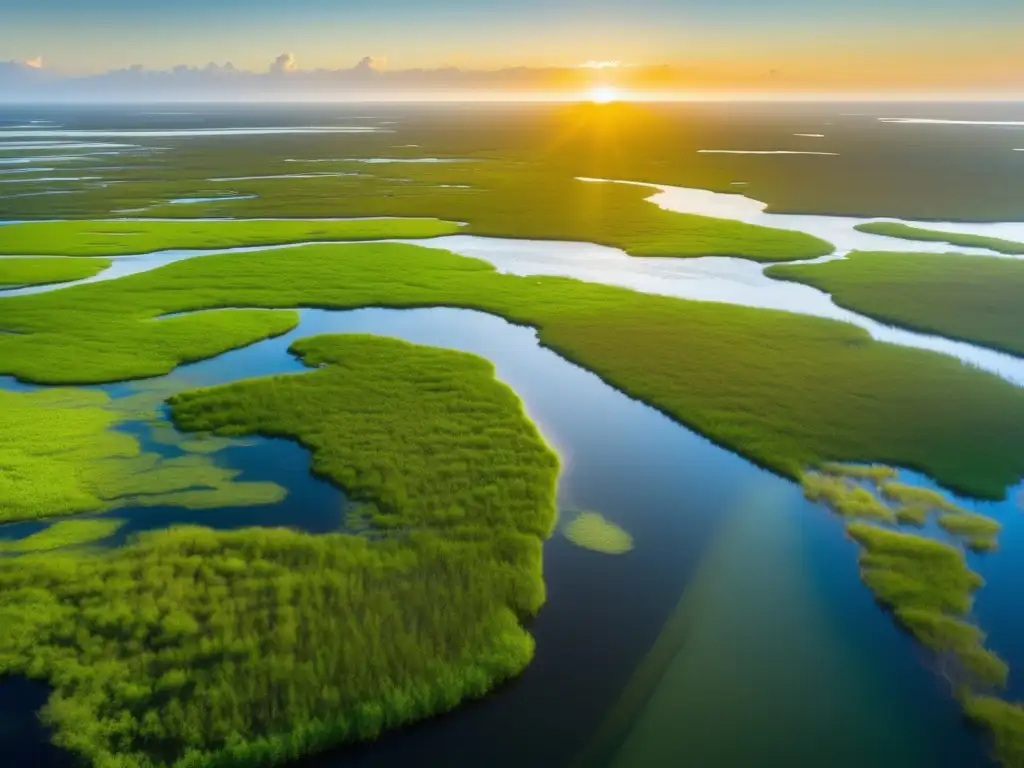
(96, 35)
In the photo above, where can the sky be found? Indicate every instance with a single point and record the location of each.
(834, 43)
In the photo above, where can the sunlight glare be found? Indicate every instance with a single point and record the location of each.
(604, 94)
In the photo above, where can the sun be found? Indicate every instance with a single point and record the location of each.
(603, 94)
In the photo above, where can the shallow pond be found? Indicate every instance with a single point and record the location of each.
(768, 650)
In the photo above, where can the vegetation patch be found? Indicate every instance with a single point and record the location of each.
(164, 434)
(912, 514)
(928, 586)
(843, 495)
(62, 454)
(117, 238)
(971, 298)
(921, 497)
(593, 531)
(979, 531)
(908, 232)
(876, 473)
(193, 647)
(909, 571)
(729, 372)
(1005, 721)
(66, 533)
(948, 635)
(19, 272)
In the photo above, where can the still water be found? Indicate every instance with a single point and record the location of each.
(736, 633)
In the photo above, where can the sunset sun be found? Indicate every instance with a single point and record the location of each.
(603, 94)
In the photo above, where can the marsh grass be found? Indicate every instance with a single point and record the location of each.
(19, 272)
(61, 454)
(193, 647)
(909, 571)
(978, 531)
(119, 238)
(948, 635)
(66, 533)
(593, 531)
(876, 473)
(725, 371)
(845, 496)
(1005, 721)
(928, 586)
(971, 298)
(921, 497)
(908, 232)
(532, 199)
(912, 514)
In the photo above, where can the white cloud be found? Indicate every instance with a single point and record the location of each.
(33, 63)
(371, 64)
(284, 63)
(601, 64)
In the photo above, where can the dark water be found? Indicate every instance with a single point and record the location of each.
(736, 633)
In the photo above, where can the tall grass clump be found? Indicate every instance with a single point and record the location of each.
(193, 647)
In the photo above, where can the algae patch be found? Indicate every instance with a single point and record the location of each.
(592, 531)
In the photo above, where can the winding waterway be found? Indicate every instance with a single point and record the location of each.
(710, 278)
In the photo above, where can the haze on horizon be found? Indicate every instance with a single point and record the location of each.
(406, 49)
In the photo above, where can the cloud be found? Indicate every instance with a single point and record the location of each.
(284, 64)
(600, 64)
(370, 64)
(33, 63)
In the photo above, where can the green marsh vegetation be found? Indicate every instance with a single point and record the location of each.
(19, 272)
(116, 238)
(723, 370)
(845, 496)
(1005, 721)
(192, 647)
(979, 531)
(654, 143)
(533, 200)
(505, 200)
(593, 531)
(876, 473)
(70, 438)
(971, 298)
(929, 588)
(908, 232)
(65, 533)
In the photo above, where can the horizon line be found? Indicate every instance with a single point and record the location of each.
(563, 98)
